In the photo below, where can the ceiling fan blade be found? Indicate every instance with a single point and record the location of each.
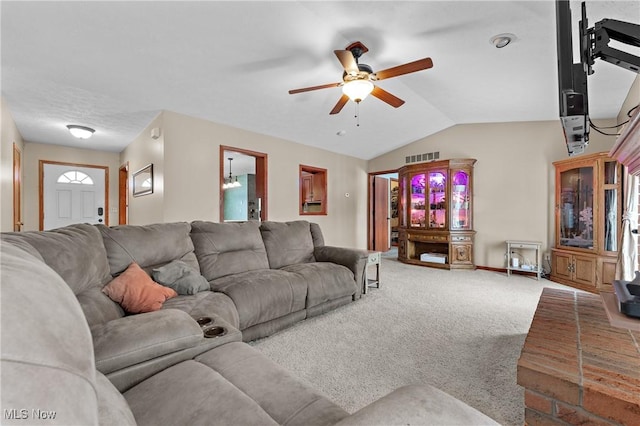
(387, 97)
(308, 89)
(341, 103)
(419, 65)
(348, 61)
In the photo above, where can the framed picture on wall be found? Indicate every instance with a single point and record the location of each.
(143, 181)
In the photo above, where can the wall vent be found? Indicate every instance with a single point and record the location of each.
(418, 158)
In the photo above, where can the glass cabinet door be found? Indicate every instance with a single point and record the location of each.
(576, 207)
(402, 191)
(437, 199)
(611, 208)
(460, 215)
(417, 195)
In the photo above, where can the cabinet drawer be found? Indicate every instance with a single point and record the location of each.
(460, 238)
(428, 238)
(373, 258)
(525, 246)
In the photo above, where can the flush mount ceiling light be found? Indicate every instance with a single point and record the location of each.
(80, 132)
(501, 40)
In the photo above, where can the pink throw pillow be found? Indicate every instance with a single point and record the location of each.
(136, 292)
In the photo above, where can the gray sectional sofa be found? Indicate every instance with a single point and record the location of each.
(91, 362)
(278, 273)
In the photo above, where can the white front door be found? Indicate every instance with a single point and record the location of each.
(72, 194)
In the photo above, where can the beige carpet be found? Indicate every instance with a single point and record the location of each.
(460, 331)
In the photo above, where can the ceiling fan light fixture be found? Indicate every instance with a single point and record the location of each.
(357, 79)
(357, 90)
(80, 132)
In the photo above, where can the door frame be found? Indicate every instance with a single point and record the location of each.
(370, 204)
(17, 189)
(123, 194)
(261, 179)
(41, 165)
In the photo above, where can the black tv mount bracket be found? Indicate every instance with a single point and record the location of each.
(598, 38)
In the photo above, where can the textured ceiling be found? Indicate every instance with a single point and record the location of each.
(114, 66)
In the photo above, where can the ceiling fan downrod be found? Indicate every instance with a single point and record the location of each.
(356, 52)
(357, 49)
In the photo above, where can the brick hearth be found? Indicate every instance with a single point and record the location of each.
(577, 369)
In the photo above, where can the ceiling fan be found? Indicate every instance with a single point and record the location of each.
(357, 79)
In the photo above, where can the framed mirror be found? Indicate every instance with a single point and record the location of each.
(313, 190)
(143, 181)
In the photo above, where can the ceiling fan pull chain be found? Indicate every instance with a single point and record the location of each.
(357, 116)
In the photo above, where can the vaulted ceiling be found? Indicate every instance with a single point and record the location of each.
(114, 66)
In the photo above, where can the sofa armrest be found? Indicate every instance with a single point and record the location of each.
(416, 405)
(137, 338)
(354, 259)
(128, 377)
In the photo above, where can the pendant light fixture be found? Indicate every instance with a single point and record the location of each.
(230, 183)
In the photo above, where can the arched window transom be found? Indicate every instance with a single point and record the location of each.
(75, 176)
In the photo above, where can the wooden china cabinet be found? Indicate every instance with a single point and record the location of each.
(436, 215)
(588, 212)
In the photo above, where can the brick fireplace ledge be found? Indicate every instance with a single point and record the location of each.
(575, 367)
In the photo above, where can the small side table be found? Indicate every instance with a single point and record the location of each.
(373, 259)
(526, 245)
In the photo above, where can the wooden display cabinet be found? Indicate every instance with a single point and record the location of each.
(436, 214)
(588, 212)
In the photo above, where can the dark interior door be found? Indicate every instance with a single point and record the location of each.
(380, 214)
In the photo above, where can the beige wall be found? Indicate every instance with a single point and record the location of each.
(9, 136)
(632, 100)
(142, 151)
(34, 152)
(513, 178)
(189, 172)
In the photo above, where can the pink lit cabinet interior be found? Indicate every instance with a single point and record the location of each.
(436, 214)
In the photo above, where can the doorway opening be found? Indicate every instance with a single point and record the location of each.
(72, 193)
(246, 199)
(313, 191)
(383, 211)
